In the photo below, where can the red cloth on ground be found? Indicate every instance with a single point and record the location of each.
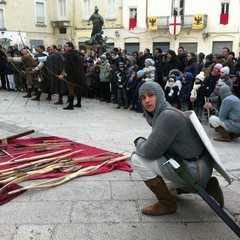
(87, 151)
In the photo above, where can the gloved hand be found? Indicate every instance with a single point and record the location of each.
(136, 140)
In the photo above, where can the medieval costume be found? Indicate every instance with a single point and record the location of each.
(74, 69)
(227, 123)
(172, 136)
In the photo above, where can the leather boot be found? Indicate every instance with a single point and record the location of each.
(70, 103)
(79, 98)
(224, 135)
(60, 100)
(35, 91)
(166, 202)
(214, 190)
(234, 135)
(49, 97)
(37, 98)
(29, 90)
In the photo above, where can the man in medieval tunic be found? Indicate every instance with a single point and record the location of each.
(173, 136)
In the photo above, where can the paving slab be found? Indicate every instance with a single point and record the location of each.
(105, 206)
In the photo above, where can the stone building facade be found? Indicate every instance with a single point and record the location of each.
(199, 25)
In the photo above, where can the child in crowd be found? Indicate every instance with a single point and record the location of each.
(184, 95)
(121, 87)
(9, 73)
(211, 80)
(131, 87)
(225, 77)
(114, 72)
(172, 92)
(214, 101)
(149, 70)
(96, 81)
(198, 95)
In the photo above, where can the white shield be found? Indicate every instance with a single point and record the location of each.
(201, 132)
(175, 25)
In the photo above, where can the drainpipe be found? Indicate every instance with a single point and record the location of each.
(146, 12)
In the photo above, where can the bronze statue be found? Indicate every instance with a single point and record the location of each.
(97, 21)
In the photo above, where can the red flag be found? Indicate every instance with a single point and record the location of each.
(132, 23)
(224, 18)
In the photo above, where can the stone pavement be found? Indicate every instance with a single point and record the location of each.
(105, 206)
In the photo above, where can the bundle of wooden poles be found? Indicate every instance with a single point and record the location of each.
(58, 161)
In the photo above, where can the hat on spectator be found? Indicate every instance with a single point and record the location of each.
(135, 68)
(200, 76)
(209, 57)
(218, 66)
(140, 73)
(121, 64)
(172, 78)
(175, 72)
(103, 56)
(218, 56)
(201, 55)
(225, 70)
(150, 61)
(188, 76)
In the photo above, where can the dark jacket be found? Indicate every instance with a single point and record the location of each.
(74, 67)
(192, 67)
(184, 95)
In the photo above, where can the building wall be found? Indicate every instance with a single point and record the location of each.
(20, 16)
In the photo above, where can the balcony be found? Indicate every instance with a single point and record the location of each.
(60, 19)
(186, 21)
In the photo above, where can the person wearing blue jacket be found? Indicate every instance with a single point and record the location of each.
(227, 123)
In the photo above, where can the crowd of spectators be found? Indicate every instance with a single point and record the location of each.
(188, 79)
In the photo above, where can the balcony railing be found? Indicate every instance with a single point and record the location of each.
(57, 16)
(186, 21)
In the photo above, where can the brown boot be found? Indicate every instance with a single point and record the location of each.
(234, 135)
(214, 190)
(224, 135)
(166, 203)
(29, 93)
(37, 98)
(60, 100)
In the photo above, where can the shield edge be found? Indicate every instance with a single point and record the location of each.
(218, 165)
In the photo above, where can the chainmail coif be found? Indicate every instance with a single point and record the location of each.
(172, 133)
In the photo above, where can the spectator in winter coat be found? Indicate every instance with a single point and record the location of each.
(207, 68)
(172, 92)
(227, 123)
(200, 62)
(212, 79)
(131, 88)
(170, 63)
(158, 59)
(191, 64)
(140, 82)
(184, 96)
(149, 70)
(213, 102)
(225, 77)
(228, 61)
(182, 58)
(105, 79)
(198, 94)
(114, 71)
(121, 87)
